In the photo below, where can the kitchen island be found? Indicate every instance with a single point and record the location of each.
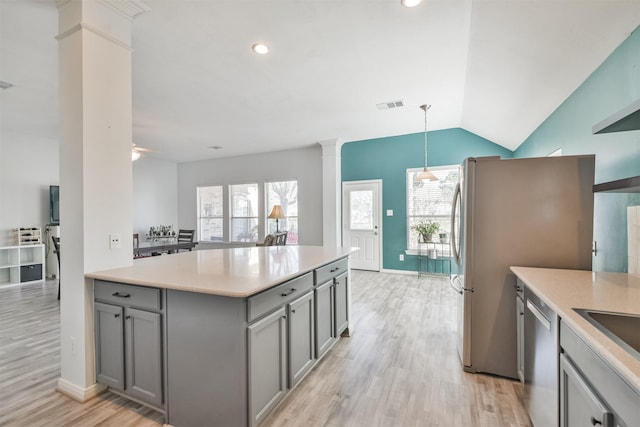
(219, 337)
(598, 378)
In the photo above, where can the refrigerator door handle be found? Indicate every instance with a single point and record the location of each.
(453, 281)
(455, 247)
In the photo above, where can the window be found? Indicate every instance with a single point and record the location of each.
(430, 201)
(210, 213)
(285, 194)
(244, 212)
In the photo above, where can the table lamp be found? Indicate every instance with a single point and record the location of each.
(276, 213)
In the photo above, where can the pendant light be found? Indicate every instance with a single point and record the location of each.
(425, 175)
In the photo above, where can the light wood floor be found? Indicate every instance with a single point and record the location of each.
(400, 367)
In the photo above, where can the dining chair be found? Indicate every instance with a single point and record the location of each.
(56, 247)
(185, 236)
(269, 240)
(280, 239)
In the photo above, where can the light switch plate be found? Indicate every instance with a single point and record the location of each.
(389, 212)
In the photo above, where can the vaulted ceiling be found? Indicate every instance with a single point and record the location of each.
(497, 68)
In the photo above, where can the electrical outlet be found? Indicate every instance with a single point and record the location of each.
(401, 257)
(74, 347)
(114, 241)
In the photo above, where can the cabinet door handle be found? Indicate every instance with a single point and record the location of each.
(116, 315)
(293, 311)
(333, 270)
(595, 422)
(119, 295)
(286, 294)
(127, 317)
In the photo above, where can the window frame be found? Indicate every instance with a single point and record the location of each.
(199, 217)
(412, 244)
(290, 239)
(231, 216)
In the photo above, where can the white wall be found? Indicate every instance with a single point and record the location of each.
(155, 194)
(303, 165)
(28, 165)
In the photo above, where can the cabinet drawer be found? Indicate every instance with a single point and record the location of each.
(127, 295)
(267, 301)
(329, 271)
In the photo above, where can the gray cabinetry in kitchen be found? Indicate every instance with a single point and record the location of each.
(280, 344)
(331, 294)
(580, 404)
(325, 335)
(267, 346)
(212, 359)
(128, 334)
(301, 343)
(591, 392)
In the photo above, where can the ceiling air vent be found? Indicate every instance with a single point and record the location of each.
(5, 85)
(389, 105)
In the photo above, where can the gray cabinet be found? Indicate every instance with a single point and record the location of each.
(143, 349)
(267, 347)
(325, 331)
(341, 309)
(591, 392)
(332, 304)
(129, 341)
(579, 404)
(301, 342)
(109, 336)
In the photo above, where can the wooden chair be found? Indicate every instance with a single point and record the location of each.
(56, 247)
(185, 236)
(280, 239)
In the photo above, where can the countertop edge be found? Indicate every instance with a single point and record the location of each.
(625, 365)
(134, 275)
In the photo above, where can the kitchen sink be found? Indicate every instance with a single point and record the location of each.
(623, 328)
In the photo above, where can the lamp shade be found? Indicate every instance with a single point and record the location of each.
(426, 175)
(276, 212)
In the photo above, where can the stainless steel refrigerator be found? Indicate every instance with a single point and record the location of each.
(535, 212)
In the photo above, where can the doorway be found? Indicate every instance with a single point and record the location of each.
(361, 223)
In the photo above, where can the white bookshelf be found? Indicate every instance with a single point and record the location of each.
(21, 264)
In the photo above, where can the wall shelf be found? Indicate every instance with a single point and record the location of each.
(626, 185)
(626, 119)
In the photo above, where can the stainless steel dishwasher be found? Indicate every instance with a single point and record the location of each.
(541, 351)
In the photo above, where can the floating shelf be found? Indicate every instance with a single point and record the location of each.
(626, 119)
(626, 185)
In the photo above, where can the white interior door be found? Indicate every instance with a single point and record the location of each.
(361, 222)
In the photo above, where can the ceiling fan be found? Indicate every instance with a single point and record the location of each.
(136, 151)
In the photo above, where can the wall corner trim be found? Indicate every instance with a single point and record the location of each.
(79, 393)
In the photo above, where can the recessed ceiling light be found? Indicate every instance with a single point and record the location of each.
(410, 3)
(260, 48)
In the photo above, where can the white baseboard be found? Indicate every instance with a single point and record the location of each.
(406, 272)
(78, 393)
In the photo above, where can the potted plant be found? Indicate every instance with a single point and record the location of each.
(426, 229)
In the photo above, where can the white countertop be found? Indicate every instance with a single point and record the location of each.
(564, 290)
(235, 272)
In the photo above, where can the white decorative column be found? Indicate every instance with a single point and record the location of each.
(331, 193)
(95, 168)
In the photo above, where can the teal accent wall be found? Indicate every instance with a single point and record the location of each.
(612, 86)
(389, 158)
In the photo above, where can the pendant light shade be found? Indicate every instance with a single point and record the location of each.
(425, 175)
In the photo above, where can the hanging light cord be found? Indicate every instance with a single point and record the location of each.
(424, 108)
